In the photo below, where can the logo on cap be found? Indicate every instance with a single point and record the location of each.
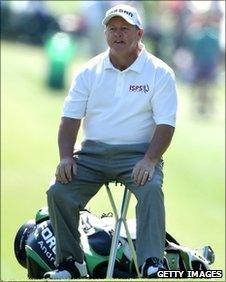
(129, 14)
(121, 11)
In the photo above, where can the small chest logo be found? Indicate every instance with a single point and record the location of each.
(139, 88)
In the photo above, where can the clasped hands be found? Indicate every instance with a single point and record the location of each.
(142, 172)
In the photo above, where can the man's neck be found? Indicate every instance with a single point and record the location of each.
(123, 61)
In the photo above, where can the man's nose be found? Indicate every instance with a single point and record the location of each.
(118, 32)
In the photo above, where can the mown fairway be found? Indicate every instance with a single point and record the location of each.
(194, 164)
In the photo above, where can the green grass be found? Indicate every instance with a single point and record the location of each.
(194, 164)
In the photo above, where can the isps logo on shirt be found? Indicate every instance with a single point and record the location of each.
(139, 88)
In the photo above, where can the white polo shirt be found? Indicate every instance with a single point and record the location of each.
(122, 107)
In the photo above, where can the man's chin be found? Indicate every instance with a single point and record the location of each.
(121, 49)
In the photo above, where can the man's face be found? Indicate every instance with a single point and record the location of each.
(121, 36)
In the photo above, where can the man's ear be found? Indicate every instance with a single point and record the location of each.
(140, 33)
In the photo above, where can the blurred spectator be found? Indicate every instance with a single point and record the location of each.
(75, 25)
(205, 48)
(181, 14)
(60, 50)
(160, 28)
(153, 28)
(27, 21)
(5, 18)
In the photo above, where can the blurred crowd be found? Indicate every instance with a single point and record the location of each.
(188, 35)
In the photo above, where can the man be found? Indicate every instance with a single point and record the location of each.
(127, 100)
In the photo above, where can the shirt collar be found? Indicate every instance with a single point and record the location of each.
(136, 66)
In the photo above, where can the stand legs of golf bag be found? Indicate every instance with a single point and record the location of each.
(120, 218)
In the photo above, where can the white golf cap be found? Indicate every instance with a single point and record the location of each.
(128, 13)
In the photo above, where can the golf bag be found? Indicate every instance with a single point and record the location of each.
(34, 248)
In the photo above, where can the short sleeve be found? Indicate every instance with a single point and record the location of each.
(164, 100)
(76, 101)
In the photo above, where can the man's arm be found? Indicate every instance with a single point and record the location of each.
(67, 135)
(144, 169)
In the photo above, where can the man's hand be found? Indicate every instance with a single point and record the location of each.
(145, 168)
(143, 171)
(65, 169)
